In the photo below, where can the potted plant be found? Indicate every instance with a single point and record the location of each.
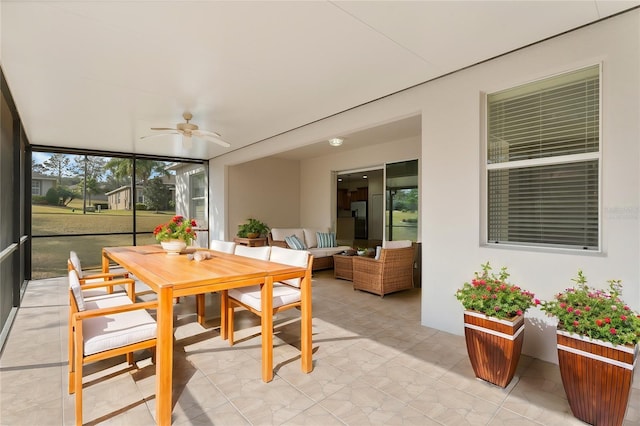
(494, 324)
(253, 228)
(597, 339)
(176, 234)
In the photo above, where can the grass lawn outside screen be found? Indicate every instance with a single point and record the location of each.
(60, 223)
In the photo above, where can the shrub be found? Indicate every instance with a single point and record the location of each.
(493, 296)
(597, 314)
(52, 197)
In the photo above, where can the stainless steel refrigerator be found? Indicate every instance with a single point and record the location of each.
(359, 213)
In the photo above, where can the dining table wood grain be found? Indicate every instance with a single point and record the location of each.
(171, 276)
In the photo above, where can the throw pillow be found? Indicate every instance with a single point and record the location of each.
(295, 243)
(326, 239)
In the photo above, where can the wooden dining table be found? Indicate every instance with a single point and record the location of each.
(172, 276)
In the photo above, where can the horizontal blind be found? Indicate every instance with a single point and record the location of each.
(552, 203)
(555, 204)
(558, 120)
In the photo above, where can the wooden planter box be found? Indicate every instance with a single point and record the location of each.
(597, 377)
(494, 346)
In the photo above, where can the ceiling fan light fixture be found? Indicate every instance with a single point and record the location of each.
(335, 141)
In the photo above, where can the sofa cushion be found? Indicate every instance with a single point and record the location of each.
(311, 236)
(396, 244)
(295, 243)
(326, 239)
(329, 251)
(279, 234)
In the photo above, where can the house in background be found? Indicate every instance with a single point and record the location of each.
(120, 198)
(40, 183)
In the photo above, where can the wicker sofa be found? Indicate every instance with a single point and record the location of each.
(322, 257)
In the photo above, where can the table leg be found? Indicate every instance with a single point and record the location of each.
(267, 329)
(200, 304)
(306, 344)
(164, 356)
(224, 304)
(105, 263)
(105, 269)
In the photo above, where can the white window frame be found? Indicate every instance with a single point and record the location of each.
(486, 167)
(37, 185)
(200, 174)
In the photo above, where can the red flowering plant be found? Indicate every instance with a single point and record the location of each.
(178, 228)
(597, 314)
(493, 296)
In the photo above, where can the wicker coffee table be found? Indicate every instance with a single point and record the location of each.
(343, 267)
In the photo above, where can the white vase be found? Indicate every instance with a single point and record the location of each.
(173, 246)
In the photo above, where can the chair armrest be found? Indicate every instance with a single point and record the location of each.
(122, 281)
(109, 275)
(79, 316)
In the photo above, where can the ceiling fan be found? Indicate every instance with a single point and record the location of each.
(187, 130)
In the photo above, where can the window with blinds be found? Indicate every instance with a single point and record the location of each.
(543, 160)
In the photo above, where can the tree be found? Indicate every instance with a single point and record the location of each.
(37, 167)
(91, 169)
(156, 195)
(122, 169)
(58, 165)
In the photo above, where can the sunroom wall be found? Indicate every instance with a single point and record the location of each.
(450, 172)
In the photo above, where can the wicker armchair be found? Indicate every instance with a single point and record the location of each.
(392, 272)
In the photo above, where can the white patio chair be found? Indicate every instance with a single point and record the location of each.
(287, 294)
(104, 327)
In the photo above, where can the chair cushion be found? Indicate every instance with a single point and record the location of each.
(261, 253)
(290, 257)
(282, 295)
(116, 330)
(396, 244)
(295, 242)
(74, 284)
(326, 239)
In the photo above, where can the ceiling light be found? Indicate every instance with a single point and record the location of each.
(364, 176)
(335, 141)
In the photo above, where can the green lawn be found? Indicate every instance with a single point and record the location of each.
(50, 254)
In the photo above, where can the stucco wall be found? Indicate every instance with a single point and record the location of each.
(266, 189)
(451, 152)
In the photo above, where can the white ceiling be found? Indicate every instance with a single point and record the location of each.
(99, 74)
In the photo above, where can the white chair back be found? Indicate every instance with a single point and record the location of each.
(261, 253)
(290, 257)
(75, 260)
(223, 246)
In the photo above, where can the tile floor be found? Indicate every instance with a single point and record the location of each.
(373, 364)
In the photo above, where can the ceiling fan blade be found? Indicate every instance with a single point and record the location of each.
(160, 134)
(201, 132)
(164, 128)
(212, 136)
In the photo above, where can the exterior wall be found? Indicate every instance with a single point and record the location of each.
(451, 152)
(450, 173)
(119, 199)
